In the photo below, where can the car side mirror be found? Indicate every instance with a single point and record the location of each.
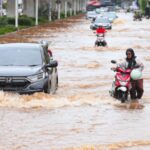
(52, 63)
(113, 61)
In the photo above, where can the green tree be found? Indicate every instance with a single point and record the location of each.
(143, 4)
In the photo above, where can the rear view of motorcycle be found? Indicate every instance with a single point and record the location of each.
(100, 41)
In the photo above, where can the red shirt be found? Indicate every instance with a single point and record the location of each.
(100, 30)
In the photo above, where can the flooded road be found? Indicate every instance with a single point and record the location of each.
(81, 115)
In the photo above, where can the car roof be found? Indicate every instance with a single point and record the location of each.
(24, 45)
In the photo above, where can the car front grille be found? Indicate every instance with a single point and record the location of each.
(13, 83)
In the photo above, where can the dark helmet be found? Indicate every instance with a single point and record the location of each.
(131, 51)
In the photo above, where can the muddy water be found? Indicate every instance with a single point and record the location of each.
(81, 115)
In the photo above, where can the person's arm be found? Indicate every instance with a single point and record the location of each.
(139, 65)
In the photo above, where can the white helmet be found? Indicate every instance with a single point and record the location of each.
(136, 74)
(44, 44)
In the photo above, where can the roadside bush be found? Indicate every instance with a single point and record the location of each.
(11, 21)
(142, 4)
(43, 20)
(3, 21)
(23, 21)
(4, 30)
(62, 15)
(68, 14)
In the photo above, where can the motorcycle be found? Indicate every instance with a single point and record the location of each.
(121, 84)
(100, 41)
(137, 16)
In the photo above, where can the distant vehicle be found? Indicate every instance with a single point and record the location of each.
(92, 5)
(26, 68)
(100, 41)
(91, 14)
(101, 21)
(102, 9)
(110, 15)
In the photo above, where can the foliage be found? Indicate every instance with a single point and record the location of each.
(62, 15)
(4, 30)
(143, 4)
(25, 21)
(3, 21)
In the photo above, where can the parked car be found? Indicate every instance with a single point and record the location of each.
(101, 21)
(26, 68)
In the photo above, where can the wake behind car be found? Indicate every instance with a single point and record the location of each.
(26, 68)
(101, 21)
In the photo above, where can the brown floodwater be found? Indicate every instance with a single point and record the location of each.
(81, 115)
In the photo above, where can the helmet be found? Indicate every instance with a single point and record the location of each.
(136, 74)
(44, 44)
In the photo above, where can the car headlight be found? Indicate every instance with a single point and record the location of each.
(36, 77)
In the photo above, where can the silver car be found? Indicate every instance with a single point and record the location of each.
(101, 21)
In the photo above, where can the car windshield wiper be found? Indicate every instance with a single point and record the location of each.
(8, 65)
(34, 65)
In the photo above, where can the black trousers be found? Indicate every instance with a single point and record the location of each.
(136, 89)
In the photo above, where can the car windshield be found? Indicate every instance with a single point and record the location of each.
(20, 56)
(101, 20)
(110, 15)
(91, 13)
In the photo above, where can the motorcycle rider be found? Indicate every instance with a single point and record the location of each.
(130, 62)
(45, 45)
(137, 15)
(101, 30)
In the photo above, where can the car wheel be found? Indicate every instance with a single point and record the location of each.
(54, 80)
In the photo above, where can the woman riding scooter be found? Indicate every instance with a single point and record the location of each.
(136, 91)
